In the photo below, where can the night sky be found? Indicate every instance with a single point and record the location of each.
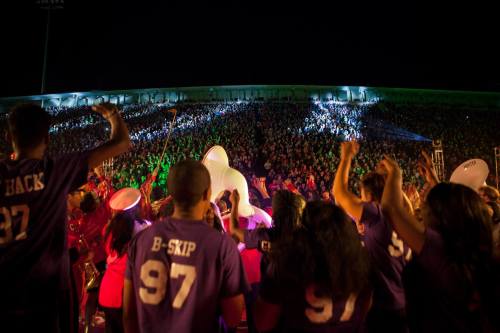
(105, 45)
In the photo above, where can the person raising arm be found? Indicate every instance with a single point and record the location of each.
(344, 198)
(405, 224)
(119, 141)
(33, 189)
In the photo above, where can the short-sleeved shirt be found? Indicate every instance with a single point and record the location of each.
(111, 288)
(389, 256)
(257, 238)
(180, 271)
(308, 311)
(437, 297)
(34, 261)
(257, 246)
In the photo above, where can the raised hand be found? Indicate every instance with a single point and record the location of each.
(107, 110)
(348, 149)
(260, 185)
(391, 166)
(155, 173)
(256, 182)
(234, 198)
(426, 169)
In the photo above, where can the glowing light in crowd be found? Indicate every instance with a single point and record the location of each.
(337, 118)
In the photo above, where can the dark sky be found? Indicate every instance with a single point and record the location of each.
(106, 44)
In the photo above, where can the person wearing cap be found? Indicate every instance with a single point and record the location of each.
(34, 258)
(183, 274)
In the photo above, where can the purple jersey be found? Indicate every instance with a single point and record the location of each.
(258, 238)
(180, 271)
(34, 262)
(388, 254)
(308, 311)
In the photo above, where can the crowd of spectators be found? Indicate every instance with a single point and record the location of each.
(293, 154)
(282, 141)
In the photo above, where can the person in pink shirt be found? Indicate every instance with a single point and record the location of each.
(117, 235)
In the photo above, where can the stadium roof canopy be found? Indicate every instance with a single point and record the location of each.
(262, 92)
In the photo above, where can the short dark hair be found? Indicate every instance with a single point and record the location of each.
(88, 203)
(373, 183)
(28, 125)
(187, 181)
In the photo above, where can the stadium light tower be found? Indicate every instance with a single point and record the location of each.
(497, 161)
(47, 5)
(438, 158)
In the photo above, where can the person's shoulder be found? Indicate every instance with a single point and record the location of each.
(433, 240)
(222, 241)
(433, 255)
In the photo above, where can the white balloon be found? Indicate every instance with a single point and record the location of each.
(471, 173)
(223, 177)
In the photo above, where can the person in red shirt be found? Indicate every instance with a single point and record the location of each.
(117, 235)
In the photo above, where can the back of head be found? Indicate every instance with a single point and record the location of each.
(460, 216)
(329, 251)
(88, 203)
(287, 212)
(373, 183)
(28, 125)
(121, 228)
(188, 182)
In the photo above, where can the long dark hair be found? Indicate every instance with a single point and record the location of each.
(287, 212)
(120, 228)
(461, 218)
(325, 251)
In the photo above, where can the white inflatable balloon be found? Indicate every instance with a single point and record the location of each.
(471, 173)
(260, 216)
(223, 177)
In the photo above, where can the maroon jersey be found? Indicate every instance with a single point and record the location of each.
(180, 271)
(34, 262)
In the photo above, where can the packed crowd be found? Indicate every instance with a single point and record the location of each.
(281, 141)
(366, 257)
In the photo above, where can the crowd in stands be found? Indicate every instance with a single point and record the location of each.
(282, 141)
(364, 238)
